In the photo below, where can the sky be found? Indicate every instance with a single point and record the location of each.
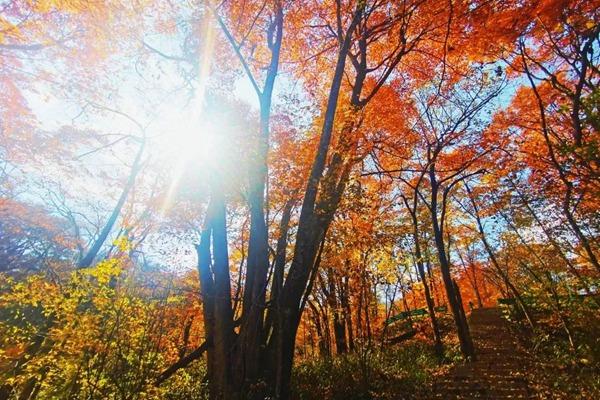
(157, 98)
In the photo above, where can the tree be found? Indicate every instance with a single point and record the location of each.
(449, 149)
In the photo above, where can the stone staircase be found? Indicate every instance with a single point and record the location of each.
(499, 370)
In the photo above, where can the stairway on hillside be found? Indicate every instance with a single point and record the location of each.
(499, 370)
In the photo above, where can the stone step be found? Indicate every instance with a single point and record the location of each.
(497, 373)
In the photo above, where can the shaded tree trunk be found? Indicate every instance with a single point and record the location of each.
(339, 324)
(321, 338)
(437, 338)
(462, 328)
(213, 268)
(252, 337)
(311, 227)
(345, 300)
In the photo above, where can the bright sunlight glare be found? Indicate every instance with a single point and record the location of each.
(188, 136)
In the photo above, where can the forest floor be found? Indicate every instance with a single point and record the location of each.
(500, 370)
(508, 365)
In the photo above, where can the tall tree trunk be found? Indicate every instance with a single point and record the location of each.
(321, 339)
(224, 334)
(339, 323)
(249, 360)
(208, 297)
(326, 330)
(311, 229)
(437, 337)
(345, 300)
(367, 306)
(280, 251)
(279, 267)
(434, 289)
(213, 268)
(462, 328)
(252, 337)
(359, 308)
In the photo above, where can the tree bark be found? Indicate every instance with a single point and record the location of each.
(311, 229)
(462, 328)
(339, 323)
(252, 337)
(213, 268)
(437, 338)
(345, 300)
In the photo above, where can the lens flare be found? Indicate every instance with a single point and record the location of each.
(191, 137)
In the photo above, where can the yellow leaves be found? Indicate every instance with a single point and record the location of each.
(7, 26)
(387, 267)
(108, 269)
(417, 286)
(122, 244)
(72, 6)
(94, 318)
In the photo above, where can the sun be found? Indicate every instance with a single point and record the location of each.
(187, 142)
(194, 142)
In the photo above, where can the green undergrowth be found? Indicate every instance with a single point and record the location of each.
(403, 371)
(559, 370)
(187, 383)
